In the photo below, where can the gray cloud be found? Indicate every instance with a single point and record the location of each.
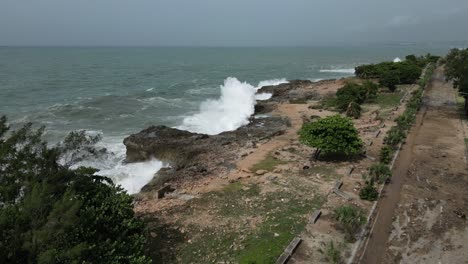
(228, 23)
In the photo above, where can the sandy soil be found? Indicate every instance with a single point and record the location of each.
(423, 217)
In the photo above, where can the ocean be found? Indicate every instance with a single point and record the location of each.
(119, 91)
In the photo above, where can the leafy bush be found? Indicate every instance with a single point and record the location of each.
(354, 110)
(52, 214)
(369, 192)
(349, 93)
(389, 80)
(391, 74)
(409, 73)
(333, 134)
(350, 218)
(379, 172)
(386, 153)
(371, 89)
(394, 136)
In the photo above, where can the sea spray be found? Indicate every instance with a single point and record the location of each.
(131, 176)
(230, 111)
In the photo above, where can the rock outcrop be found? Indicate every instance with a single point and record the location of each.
(191, 155)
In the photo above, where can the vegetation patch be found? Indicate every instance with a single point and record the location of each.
(331, 252)
(248, 226)
(350, 218)
(389, 100)
(269, 163)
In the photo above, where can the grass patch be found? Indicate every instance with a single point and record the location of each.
(272, 237)
(466, 143)
(388, 100)
(269, 163)
(280, 216)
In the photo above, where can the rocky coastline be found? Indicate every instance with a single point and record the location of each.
(192, 156)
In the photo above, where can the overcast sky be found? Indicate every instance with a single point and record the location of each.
(229, 22)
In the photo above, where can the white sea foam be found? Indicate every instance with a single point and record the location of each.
(230, 111)
(397, 59)
(344, 71)
(263, 96)
(271, 82)
(132, 176)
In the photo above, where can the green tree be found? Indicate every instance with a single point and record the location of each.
(349, 93)
(333, 135)
(50, 213)
(456, 69)
(390, 80)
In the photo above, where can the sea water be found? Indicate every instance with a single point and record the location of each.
(119, 91)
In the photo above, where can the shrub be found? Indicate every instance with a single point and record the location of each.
(371, 89)
(350, 218)
(386, 153)
(333, 134)
(354, 110)
(369, 192)
(349, 93)
(379, 172)
(390, 80)
(409, 73)
(394, 136)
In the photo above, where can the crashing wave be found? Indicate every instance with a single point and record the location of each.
(232, 110)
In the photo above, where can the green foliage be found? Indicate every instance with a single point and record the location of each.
(52, 214)
(333, 134)
(349, 93)
(369, 192)
(427, 75)
(350, 218)
(354, 110)
(456, 69)
(394, 136)
(269, 163)
(379, 172)
(386, 153)
(78, 145)
(391, 74)
(389, 80)
(371, 89)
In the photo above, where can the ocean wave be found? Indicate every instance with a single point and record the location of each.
(231, 110)
(345, 71)
(397, 60)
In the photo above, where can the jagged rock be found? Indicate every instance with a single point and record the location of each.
(261, 172)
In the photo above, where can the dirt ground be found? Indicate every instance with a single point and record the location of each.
(423, 219)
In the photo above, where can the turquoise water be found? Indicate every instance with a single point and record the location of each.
(119, 91)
